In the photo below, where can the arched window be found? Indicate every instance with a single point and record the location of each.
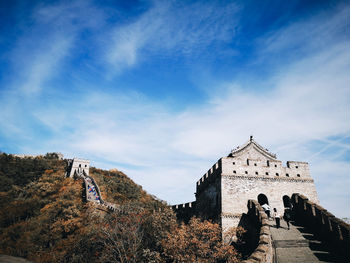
(286, 201)
(262, 199)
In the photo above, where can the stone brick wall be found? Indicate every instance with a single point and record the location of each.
(208, 194)
(236, 190)
(247, 172)
(331, 230)
(251, 170)
(263, 252)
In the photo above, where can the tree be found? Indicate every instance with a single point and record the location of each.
(198, 242)
(121, 236)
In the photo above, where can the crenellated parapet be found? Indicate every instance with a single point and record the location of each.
(210, 176)
(330, 229)
(185, 211)
(263, 252)
(254, 166)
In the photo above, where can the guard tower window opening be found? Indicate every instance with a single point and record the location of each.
(275, 165)
(247, 161)
(277, 174)
(233, 163)
(296, 167)
(268, 163)
(256, 173)
(286, 201)
(287, 175)
(234, 171)
(246, 172)
(298, 175)
(85, 165)
(267, 173)
(262, 199)
(79, 165)
(255, 164)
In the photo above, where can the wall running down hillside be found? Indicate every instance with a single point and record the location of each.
(79, 168)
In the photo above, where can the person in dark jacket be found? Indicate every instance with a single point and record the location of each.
(287, 216)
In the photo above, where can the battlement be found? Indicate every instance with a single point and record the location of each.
(260, 236)
(209, 176)
(264, 168)
(188, 205)
(332, 230)
(185, 211)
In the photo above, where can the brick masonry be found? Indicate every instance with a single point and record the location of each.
(247, 172)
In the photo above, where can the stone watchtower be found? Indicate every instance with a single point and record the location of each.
(248, 172)
(78, 166)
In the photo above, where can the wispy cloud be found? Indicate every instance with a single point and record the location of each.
(42, 49)
(171, 27)
(306, 36)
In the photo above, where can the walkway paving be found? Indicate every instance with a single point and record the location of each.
(297, 245)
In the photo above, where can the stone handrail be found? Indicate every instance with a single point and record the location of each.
(330, 229)
(263, 252)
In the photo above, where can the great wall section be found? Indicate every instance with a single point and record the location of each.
(79, 168)
(315, 235)
(250, 173)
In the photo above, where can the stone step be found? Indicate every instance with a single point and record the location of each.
(296, 245)
(290, 243)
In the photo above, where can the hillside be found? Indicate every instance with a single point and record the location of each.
(43, 217)
(42, 214)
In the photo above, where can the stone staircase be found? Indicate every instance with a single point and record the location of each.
(297, 245)
(93, 193)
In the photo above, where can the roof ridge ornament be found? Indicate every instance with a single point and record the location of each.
(258, 146)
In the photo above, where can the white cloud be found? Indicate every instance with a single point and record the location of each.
(43, 64)
(309, 34)
(171, 27)
(51, 34)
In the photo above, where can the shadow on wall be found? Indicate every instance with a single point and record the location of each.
(334, 232)
(258, 245)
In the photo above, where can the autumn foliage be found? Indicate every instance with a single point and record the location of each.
(198, 241)
(43, 218)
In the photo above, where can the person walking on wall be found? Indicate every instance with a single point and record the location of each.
(287, 216)
(277, 218)
(266, 208)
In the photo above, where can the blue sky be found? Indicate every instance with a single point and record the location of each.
(162, 89)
